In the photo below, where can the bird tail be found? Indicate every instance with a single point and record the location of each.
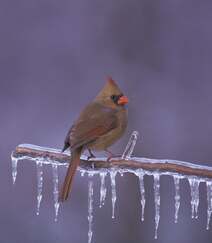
(75, 160)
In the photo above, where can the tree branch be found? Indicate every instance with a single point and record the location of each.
(127, 164)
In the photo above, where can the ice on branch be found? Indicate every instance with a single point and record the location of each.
(103, 189)
(113, 191)
(139, 166)
(39, 167)
(90, 207)
(14, 168)
(82, 172)
(55, 189)
(130, 146)
(140, 174)
(194, 185)
(157, 202)
(177, 196)
(209, 200)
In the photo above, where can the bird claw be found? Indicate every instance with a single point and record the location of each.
(111, 155)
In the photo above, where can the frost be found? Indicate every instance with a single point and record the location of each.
(209, 200)
(90, 208)
(113, 190)
(177, 196)
(103, 189)
(39, 167)
(157, 202)
(194, 185)
(130, 146)
(140, 174)
(55, 189)
(14, 168)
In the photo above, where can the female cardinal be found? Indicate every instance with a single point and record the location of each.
(99, 125)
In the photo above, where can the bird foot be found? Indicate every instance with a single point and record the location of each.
(111, 155)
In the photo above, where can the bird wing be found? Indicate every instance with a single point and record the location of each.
(95, 121)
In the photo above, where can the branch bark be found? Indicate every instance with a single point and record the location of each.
(131, 164)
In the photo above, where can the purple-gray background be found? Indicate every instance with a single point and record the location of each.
(54, 56)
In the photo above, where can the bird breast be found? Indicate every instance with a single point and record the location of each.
(111, 137)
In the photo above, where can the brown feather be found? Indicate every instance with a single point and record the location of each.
(98, 126)
(75, 160)
(93, 122)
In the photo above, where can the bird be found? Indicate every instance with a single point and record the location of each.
(99, 125)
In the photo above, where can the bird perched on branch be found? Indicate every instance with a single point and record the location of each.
(101, 123)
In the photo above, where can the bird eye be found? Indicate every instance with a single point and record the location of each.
(113, 97)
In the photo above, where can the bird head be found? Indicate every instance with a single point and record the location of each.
(111, 95)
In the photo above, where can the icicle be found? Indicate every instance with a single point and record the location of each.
(177, 196)
(130, 146)
(55, 189)
(14, 168)
(157, 202)
(90, 207)
(82, 173)
(113, 191)
(209, 199)
(194, 185)
(121, 173)
(39, 184)
(140, 175)
(103, 189)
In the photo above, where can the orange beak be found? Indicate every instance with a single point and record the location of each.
(123, 100)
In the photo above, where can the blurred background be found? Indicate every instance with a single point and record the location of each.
(54, 59)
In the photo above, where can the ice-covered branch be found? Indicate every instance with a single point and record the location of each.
(126, 163)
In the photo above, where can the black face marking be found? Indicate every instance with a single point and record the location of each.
(115, 98)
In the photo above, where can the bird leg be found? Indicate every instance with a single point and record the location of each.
(111, 155)
(91, 154)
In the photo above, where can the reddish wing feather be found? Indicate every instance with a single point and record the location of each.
(95, 120)
(92, 134)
